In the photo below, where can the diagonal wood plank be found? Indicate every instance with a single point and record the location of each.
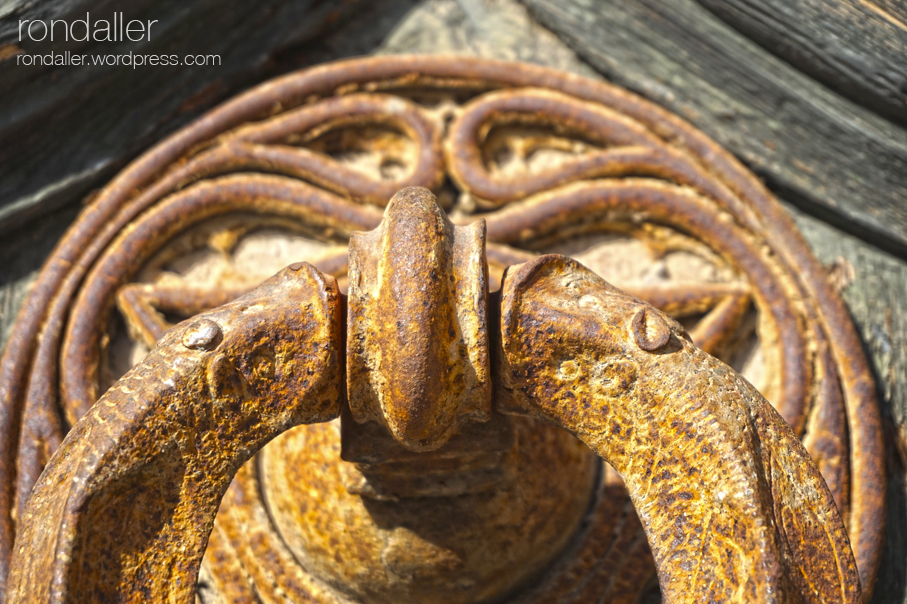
(837, 159)
(66, 129)
(858, 48)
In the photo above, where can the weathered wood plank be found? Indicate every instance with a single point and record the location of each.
(496, 29)
(858, 48)
(32, 233)
(65, 129)
(824, 152)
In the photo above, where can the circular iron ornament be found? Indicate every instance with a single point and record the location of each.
(554, 163)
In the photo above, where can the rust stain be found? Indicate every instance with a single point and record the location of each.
(7, 51)
(202, 98)
(883, 13)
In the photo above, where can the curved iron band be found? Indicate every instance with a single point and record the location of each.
(271, 195)
(169, 437)
(733, 507)
(627, 147)
(763, 214)
(306, 123)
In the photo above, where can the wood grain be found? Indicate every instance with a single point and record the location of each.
(858, 48)
(821, 150)
(67, 129)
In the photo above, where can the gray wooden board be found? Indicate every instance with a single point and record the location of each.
(874, 282)
(858, 48)
(65, 129)
(824, 152)
(32, 234)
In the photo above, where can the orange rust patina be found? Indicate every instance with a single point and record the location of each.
(123, 511)
(462, 509)
(732, 505)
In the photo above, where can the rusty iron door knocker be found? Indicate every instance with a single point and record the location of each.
(439, 383)
(732, 505)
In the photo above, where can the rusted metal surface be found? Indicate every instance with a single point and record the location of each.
(431, 274)
(732, 505)
(123, 514)
(552, 162)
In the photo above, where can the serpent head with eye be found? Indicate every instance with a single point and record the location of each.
(262, 352)
(589, 340)
(701, 451)
(176, 429)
